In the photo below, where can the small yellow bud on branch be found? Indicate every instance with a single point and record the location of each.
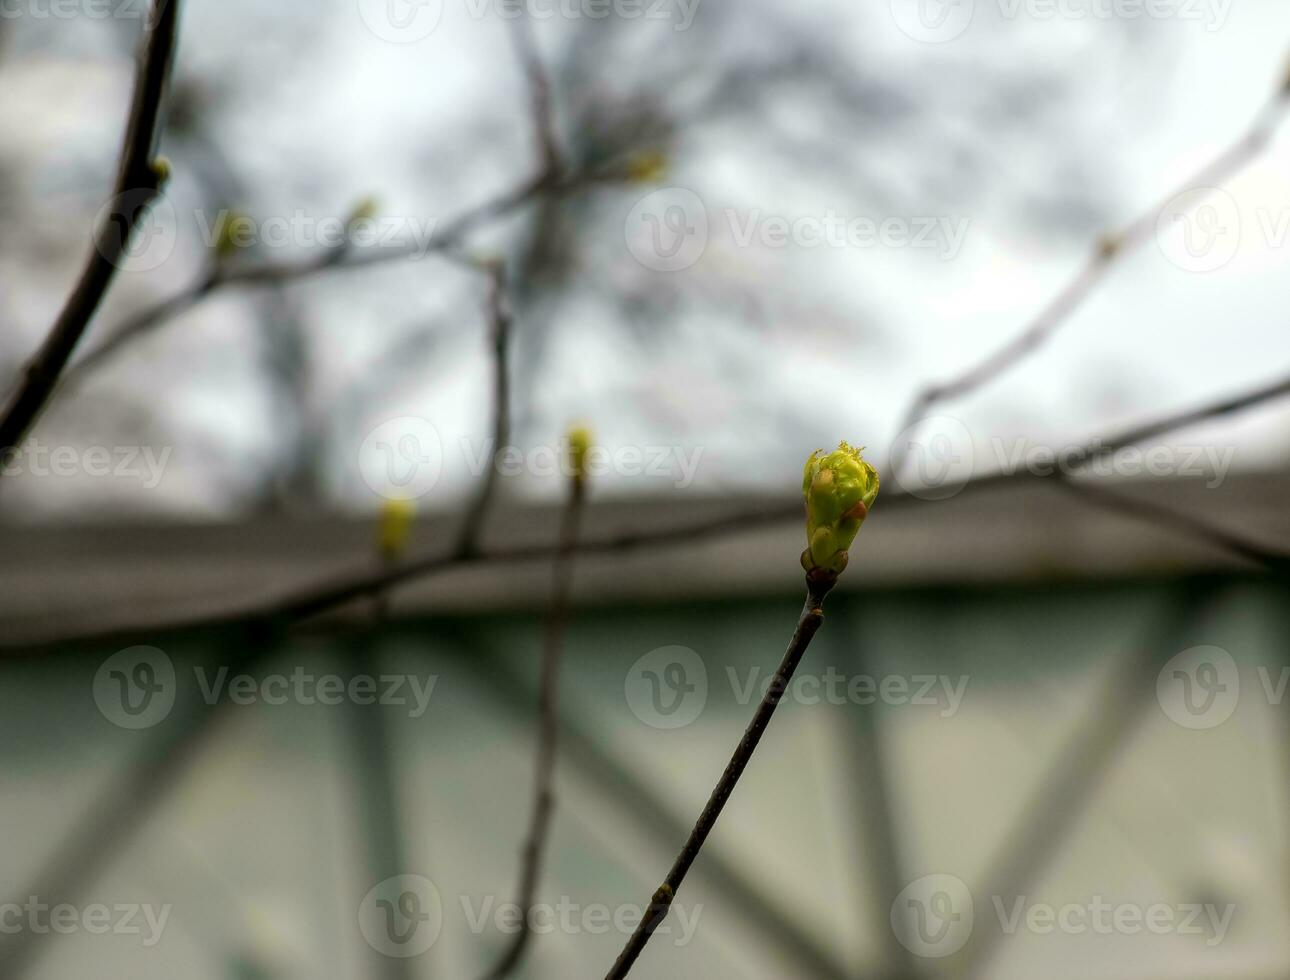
(580, 440)
(395, 528)
(161, 171)
(839, 488)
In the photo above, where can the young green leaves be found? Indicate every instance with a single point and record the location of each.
(839, 488)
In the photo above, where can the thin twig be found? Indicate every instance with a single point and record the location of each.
(138, 182)
(818, 586)
(548, 727)
(1193, 527)
(500, 323)
(319, 597)
(1107, 251)
(584, 749)
(541, 99)
(218, 278)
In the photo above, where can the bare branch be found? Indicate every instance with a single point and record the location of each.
(217, 278)
(548, 727)
(500, 320)
(1107, 251)
(138, 183)
(541, 99)
(812, 617)
(321, 597)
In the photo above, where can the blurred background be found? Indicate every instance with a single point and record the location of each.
(1042, 730)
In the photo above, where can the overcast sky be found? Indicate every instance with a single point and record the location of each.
(999, 153)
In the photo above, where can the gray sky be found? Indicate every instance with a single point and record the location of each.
(1012, 145)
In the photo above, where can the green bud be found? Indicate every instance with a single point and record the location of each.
(647, 168)
(161, 170)
(395, 528)
(839, 488)
(364, 210)
(579, 446)
(229, 237)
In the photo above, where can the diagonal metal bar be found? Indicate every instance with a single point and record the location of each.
(586, 754)
(872, 789)
(1065, 792)
(376, 790)
(106, 828)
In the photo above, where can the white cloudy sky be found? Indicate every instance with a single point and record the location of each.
(1029, 134)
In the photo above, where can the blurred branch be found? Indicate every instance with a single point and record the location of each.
(138, 182)
(548, 726)
(1100, 496)
(321, 597)
(541, 99)
(217, 277)
(500, 322)
(1108, 250)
